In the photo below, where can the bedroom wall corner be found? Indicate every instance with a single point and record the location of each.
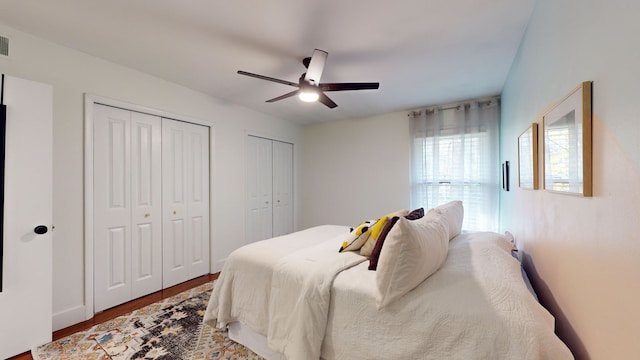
(582, 253)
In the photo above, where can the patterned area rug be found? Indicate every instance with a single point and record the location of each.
(169, 329)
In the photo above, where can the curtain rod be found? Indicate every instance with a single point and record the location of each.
(454, 106)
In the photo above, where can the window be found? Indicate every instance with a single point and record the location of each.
(455, 157)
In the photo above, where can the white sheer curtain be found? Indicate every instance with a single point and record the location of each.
(455, 157)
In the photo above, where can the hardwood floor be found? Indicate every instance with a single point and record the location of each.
(119, 310)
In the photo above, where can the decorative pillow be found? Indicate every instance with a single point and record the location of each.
(454, 213)
(375, 253)
(368, 246)
(379, 242)
(415, 214)
(413, 251)
(403, 212)
(358, 236)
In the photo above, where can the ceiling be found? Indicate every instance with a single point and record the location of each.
(423, 52)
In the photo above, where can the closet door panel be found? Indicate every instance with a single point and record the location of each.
(259, 222)
(112, 207)
(174, 171)
(146, 198)
(252, 199)
(141, 256)
(197, 192)
(265, 188)
(282, 188)
(175, 250)
(117, 267)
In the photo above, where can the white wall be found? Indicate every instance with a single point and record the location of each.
(355, 170)
(73, 74)
(583, 253)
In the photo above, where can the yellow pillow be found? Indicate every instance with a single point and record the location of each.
(358, 236)
(367, 248)
(375, 230)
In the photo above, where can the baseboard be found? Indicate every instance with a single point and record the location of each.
(68, 317)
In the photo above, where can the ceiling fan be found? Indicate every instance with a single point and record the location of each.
(309, 87)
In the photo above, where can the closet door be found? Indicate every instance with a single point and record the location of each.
(112, 207)
(282, 188)
(127, 206)
(198, 200)
(146, 204)
(185, 176)
(259, 224)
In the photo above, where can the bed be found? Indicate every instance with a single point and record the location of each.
(298, 297)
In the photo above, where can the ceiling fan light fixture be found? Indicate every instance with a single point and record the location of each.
(309, 89)
(309, 95)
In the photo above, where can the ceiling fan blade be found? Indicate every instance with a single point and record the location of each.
(325, 100)
(349, 86)
(284, 82)
(316, 66)
(283, 96)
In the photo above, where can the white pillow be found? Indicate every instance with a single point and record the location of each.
(413, 251)
(454, 213)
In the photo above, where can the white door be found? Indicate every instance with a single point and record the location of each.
(26, 297)
(282, 188)
(185, 203)
(146, 204)
(259, 224)
(197, 200)
(112, 207)
(127, 206)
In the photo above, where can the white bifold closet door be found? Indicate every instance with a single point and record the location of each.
(259, 189)
(151, 204)
(127, 206)
(282, 188)
(185, 176)
(269, 188)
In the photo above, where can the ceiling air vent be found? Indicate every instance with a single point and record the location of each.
(4, 45)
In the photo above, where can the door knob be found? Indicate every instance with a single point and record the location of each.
(40, 230)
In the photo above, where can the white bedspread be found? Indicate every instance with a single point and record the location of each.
(476, 306)
(300, 297)
(241, 293)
